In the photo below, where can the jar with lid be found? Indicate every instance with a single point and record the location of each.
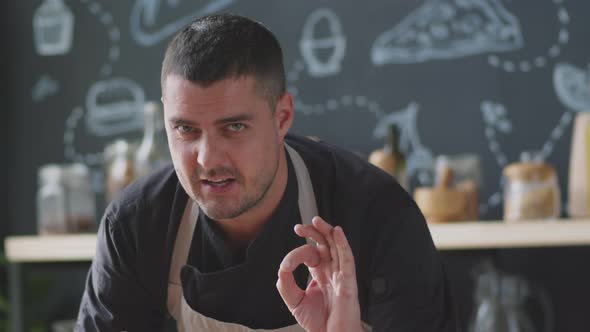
(153, 150)
(51, 201)
(120, 170)
(531, 190)
(80, 202)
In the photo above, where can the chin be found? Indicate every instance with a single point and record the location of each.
(219, 213)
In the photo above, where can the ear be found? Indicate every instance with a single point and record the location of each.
(284, 114)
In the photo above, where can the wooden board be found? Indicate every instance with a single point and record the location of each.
(448, 236)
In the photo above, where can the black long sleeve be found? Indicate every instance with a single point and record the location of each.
(114, 299)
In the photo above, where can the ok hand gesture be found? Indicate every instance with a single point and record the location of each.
(330, 302)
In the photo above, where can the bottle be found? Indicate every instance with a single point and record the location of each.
(487, 315)
(579, 168)
(120, 170)
(80, 202)
(153, 150)
(53, 25)
(51, 201)
(390, 158)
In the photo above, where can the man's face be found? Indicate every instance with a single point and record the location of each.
(225, 142)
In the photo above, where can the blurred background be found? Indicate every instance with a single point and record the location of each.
(478, 107)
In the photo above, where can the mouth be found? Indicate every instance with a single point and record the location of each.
(218, 183)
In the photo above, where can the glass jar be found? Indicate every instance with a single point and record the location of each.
(80, 202)
(531, 190)
(466, 178)
(153, 151)
(51, 201)
(120, 170)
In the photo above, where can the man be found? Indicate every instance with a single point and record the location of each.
(218, 241)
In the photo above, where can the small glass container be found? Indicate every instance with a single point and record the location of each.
(80, 202)
(466, 168)
(153, 150)
(531, 190)
(120, 169)
(51, 201)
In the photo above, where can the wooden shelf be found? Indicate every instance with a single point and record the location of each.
(50, 248)
(448, 236)
(499, 234)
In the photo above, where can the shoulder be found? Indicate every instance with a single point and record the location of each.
(366, 201)
(146, 204)
(345, 171)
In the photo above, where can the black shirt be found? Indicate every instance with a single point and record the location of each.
(237, 286)
(401, 281)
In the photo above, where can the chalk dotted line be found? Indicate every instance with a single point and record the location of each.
(90, 159)
(329, 105)
(511, 66)
(114, 34)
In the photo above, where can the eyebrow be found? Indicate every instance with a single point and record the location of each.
(180, 121)
(236, 118)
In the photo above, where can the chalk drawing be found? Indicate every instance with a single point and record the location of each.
(144, 14)
(114, 106)
(572, 86)
(538, 61)
(70, 152)
(496, 121)
(419, 157)
(53, 26)
(311, 44)
(448, 29)
(45, 87)
(95, 8)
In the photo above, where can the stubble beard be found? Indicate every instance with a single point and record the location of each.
(220, 208)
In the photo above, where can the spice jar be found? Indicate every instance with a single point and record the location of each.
(80, 203)
(120, 170)
(51, 201)
(531, 191)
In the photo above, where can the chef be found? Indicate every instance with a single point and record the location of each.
(253, 228)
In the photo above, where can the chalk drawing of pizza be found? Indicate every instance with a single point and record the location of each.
(447, 29)
(572, 86)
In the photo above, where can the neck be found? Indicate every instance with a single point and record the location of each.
(240, 231)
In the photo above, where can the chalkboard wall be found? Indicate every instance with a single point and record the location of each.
(490, 77)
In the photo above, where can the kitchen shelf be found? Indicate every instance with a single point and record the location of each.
(50, 248)
(499, 234)
(448, 236)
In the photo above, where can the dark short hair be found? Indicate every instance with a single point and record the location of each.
(217, 47)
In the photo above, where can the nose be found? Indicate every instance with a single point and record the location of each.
(210, 153)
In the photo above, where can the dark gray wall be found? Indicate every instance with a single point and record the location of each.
(342, 106)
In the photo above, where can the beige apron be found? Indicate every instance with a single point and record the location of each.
(188, 319)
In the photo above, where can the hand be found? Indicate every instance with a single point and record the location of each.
(330, 302)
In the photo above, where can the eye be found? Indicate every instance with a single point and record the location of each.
(184, 129)
(236, 127)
